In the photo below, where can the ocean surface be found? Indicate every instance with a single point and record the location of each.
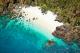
(20, 36)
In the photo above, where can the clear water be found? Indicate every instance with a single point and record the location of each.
(20, 36)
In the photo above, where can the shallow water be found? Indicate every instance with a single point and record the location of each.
(19, 36)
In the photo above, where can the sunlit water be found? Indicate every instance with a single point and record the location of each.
(21, 36)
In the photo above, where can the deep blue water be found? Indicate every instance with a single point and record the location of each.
(19, 36)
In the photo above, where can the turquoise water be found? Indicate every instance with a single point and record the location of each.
(19, 36)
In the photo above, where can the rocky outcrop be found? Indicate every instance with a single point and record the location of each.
(8, 5)
(68, 33)
(49, 43)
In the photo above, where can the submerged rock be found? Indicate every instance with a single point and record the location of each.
(49, 43)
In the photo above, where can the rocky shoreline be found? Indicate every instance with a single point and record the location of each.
(68, 33)
(8, 5)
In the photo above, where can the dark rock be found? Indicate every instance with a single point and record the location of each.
(67, 33)
(49, 43)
